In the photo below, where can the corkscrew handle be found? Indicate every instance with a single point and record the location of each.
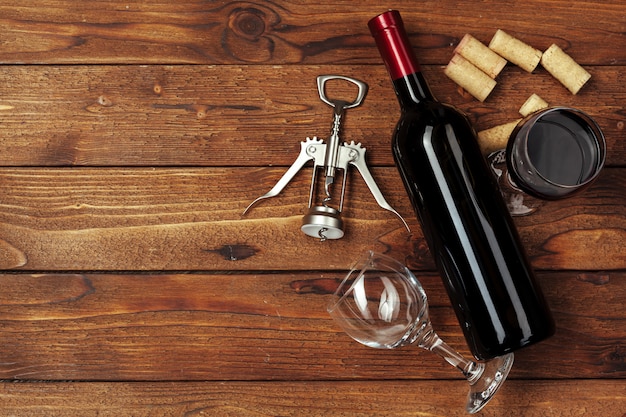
(339, 106)
(321, 88)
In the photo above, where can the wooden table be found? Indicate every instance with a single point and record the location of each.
(133, 135)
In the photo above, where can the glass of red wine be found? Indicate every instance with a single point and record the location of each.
(551, 154)
(381, 304)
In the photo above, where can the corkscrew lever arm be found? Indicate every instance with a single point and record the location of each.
(301, 160)
(359, 162)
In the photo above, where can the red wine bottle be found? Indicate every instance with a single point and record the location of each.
(465, 221)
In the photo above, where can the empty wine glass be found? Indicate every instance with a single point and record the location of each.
(551, 154)
(381, 304)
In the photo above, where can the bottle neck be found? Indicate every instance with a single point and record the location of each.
(412, 89)
(397, 54)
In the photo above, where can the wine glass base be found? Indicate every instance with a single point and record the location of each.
(518, 202)
(484, 388)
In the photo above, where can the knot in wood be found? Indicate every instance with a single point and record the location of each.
(248, 23)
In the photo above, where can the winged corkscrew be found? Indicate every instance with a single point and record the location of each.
(324, 221)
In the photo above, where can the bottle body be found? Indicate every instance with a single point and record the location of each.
(466, 224)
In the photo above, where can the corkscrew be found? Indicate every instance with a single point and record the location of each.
(324, 221)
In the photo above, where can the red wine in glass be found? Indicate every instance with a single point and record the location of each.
(555, 152)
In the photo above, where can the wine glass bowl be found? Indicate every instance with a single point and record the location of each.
(381, 304)
(555, 152)
(550, 155)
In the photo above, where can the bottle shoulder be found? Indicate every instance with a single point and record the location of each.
(434, 114)
(435, 123)
(432, 109)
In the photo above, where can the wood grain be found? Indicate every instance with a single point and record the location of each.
(296, 32)
(133, 134)
(268, 327)
(192, 219)
(242, 115)
(381, 398)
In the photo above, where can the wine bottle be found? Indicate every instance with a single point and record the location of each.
(464, 219)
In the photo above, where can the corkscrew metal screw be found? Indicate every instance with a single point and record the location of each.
(323, 221)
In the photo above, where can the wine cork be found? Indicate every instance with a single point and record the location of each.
(532, 104)
(480, 55)
(516, 51)
(564, 68)
(496, 138)
(468, 76)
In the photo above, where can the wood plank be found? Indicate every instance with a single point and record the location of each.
(269, 327)
(242, 115)
(381, 398)
(59, 219)
(134, 134)
(280, 32)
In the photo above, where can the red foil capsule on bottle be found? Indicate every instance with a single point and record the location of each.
(399, 60)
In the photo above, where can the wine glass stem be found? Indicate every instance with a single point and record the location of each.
(432, 342)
